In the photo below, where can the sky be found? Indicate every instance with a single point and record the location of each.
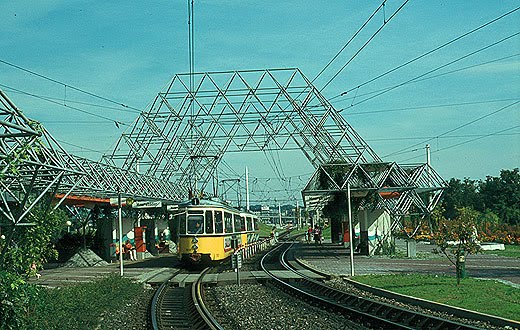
(461, 98)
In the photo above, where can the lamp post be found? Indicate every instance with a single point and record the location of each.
(68, 223)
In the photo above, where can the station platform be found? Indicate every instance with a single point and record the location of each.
(334, 259)
(329, 258)
(151, 271)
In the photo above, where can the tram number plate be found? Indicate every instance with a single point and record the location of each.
(236, 261)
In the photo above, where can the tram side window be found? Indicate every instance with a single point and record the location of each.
(249, 223)
(219, 226)
(255, 222)
(228, 220)
(181, 220)
(242, 223)
(237, 222)
(209, 222)
(195, 224)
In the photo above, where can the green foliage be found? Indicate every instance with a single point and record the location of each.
(460, 194)
(457, 238)
(16, 297)
(497, 195)
(502, 195)
(386, 247)
(264, 229)
(81, 306)
(474, 295)
(32, 245)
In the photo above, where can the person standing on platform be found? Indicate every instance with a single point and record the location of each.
(308, 234)
(317, 236)
(130, 250)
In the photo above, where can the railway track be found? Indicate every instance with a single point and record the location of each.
(176, 307)
(365, 311)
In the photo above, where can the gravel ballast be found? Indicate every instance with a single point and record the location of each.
(256, 306)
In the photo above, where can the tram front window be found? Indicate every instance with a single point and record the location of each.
(195, 224)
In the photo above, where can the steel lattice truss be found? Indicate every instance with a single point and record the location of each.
(180, 140)
(33, 164)
(399, 190)
(29, 168)
(186, 131)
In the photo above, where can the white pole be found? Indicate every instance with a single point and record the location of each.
(297, 215)
(247, 190)
(351, 231)
(280, 214)
(428, 163)
(120, 221)
(428, 169)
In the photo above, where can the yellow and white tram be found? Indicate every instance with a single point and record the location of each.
(207, 230)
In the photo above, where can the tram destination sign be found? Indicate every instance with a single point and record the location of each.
(146, 204)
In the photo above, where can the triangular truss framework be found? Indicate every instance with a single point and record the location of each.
(396, 189)
(188, 128)
(34, 165)
(181, 139)
(29, 169)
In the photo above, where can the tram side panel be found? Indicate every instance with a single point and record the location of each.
(206, 233)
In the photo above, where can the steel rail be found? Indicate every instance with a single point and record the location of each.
(181, 307)
(427, 304)
(197, 296)
(156, 300)
(361, 309)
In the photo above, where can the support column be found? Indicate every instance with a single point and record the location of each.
(363, 234)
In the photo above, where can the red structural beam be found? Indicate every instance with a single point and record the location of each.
(72, 199)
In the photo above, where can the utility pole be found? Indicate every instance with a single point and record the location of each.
(297, 215)
(280, 214)
(351, 232)
(120, 222)
(247, 190)
(428, 163)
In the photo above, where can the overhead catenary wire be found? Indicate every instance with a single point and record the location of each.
(78, 146)
(479, 137)
(349, 41)
(67, 85)
(435, 69)
(432, 106)
(116, 122)
(80, 102)
(407, 149)
(432, 51)
(343, 99)
(364, 45)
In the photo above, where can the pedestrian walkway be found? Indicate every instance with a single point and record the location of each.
(335, 260)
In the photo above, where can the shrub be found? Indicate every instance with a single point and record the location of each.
(16, 298)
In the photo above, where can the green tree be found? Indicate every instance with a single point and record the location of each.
(460, 194)
(31, 246)
(501, 195)
(457, 238)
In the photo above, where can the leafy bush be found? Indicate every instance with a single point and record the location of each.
(31, 246)
(16, 297)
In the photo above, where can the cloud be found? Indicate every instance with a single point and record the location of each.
(506, 67)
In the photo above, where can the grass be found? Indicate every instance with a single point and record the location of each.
(81, 306)
(485, 296)
(264, 229)
(512, 251)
